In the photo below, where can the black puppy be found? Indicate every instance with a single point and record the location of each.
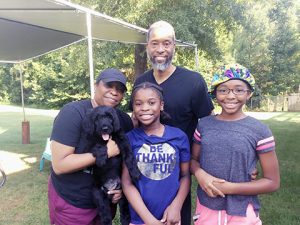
(99, 125)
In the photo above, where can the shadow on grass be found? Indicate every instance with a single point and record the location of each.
(24, 195)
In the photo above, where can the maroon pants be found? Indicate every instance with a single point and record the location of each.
(63, 213)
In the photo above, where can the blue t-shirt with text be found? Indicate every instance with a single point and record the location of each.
(158, 159)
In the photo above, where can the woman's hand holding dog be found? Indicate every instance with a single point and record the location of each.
(112, 148)
(117, 195)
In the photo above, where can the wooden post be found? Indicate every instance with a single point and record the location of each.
(25, 132)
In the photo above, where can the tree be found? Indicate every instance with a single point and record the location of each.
(267, 42)
(250, 43)
(199, 22)
(284, 47)
(263, 36)
(9, 84)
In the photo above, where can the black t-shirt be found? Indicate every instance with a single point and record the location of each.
(185, 96)
(76, 187)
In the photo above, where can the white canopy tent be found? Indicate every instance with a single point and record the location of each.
(35, 27)
(31, 28)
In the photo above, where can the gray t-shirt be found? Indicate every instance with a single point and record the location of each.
(229, 150)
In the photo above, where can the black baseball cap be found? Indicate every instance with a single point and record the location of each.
(110, 75)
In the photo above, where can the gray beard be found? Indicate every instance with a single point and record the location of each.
(160, 66)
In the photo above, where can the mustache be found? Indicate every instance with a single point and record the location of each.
(161, 66)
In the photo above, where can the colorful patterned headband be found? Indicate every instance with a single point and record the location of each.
(232, 72)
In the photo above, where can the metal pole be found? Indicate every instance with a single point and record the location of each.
(90, 49)
(196, 57)
(25, 123)
(2, 176)
(22, 91)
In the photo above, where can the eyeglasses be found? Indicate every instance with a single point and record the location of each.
(165, 44)
(236, 91)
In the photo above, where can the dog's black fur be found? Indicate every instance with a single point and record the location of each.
(104, 120)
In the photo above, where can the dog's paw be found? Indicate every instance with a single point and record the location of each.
(133, 169)
(100, 153)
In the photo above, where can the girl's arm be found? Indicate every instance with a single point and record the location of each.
(205, 180)
(134, 198)
(172, 213)
(268, 183)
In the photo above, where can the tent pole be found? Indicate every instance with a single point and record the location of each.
(90, 49)
(25, 123)
(196, 56)
(22, 91)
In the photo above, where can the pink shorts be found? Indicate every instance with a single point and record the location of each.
(63, 213)
(207, 216)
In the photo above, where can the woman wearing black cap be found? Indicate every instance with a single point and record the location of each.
(70, 183)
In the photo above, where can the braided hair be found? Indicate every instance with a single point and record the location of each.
(164, 117)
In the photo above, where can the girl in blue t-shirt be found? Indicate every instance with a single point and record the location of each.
(225, 151)
(162, 153)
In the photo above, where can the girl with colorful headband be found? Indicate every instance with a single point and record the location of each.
(226, 149)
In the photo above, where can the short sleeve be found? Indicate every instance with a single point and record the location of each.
(197, 135)
(266, 141)
(67, 126)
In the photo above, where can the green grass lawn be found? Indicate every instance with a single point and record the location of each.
(24, 196)
(283, 206)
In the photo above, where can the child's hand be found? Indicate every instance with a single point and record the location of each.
(254, 174)
(226, 187)
(171, 215)
(155, 222)
(206, 182)
(112, 148)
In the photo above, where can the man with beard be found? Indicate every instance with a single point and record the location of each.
(184, 91)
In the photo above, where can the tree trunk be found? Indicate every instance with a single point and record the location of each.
(140, 60)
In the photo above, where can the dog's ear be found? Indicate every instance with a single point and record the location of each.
(115, 118)
(88, 124)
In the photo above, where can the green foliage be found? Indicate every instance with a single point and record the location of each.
(4, 84)
(284, 47)
(267, 42)
(10, 84)
(261, 35)
(194, 21)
